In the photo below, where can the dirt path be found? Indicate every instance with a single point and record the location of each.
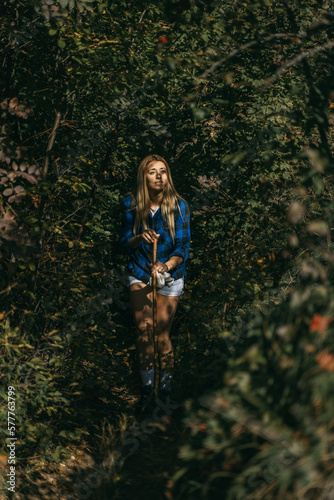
(123, 457)
(150, 450)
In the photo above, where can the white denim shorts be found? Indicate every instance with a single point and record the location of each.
(172, 291)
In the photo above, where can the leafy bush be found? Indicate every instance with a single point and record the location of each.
(267, 431)
(238, 97)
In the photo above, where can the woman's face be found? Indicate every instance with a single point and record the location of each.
(156, 176)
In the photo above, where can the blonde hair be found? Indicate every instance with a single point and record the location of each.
(169, 202)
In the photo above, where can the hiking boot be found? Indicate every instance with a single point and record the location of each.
(146, 399)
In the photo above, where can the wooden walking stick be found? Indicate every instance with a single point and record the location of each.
(155, 333)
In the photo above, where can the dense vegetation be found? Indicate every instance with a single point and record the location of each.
(239, 98)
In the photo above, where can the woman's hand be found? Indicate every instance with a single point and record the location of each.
(158, 266)
(149, 235)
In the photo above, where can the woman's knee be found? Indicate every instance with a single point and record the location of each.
(164, 339)
(164, 327)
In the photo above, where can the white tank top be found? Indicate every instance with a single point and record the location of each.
(153, 210)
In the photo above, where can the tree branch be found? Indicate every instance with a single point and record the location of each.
(243, 47)
(297, 59)
(51, 143)
(323, 23)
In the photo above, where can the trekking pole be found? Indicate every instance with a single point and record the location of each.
(155, 333)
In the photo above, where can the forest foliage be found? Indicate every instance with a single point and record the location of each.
(239, 98)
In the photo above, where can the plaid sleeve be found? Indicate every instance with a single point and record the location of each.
(128, 216)
(183, 235)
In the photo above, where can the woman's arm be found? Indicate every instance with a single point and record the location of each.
(167, 266)
(182, 242)
(173, 262)
(148, 235)
(135, 241)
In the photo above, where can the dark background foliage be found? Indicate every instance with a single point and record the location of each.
(238, 97)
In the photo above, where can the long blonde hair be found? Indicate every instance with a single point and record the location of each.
(169, 202)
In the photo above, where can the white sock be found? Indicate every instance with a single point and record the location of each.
(147, 377)
(165, 381)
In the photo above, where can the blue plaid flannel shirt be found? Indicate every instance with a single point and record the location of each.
(142, 256)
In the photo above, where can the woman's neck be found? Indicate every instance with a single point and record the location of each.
(156, 199)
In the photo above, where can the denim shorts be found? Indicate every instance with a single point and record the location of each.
(172, 291)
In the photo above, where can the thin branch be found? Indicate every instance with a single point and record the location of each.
(9, 288)
(139, 22)
(243, 47)
(71, 215)
(295, 60)
(141, 17)
(51, 143)
(36, 135)
(323, 23)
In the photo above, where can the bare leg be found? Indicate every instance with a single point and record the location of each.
(141, 298)
(166, 307)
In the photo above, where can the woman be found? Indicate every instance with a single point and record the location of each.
(157, 211)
